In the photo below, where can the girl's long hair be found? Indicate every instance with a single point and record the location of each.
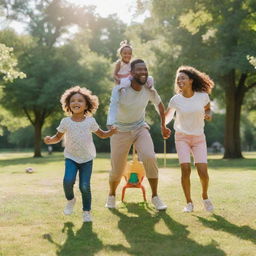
(201, 81)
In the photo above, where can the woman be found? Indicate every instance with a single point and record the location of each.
(192, 105)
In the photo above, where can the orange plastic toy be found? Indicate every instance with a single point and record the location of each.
(134, 174)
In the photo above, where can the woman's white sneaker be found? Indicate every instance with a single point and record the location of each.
(188, 208)
(208, 205)
(87, 217)
(69, 206)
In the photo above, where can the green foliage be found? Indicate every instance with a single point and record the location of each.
(10, 121)
(106, 35)
(214, 129)
(252, 60)
(213, 36)
(8, 64)
(248, 131)
(23, 137)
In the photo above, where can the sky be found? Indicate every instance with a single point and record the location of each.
(124, 9)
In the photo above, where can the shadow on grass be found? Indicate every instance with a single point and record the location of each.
(143, 239)
(83, 242)
(221, 224)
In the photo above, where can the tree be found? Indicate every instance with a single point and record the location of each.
(51, 67)
(216, 37)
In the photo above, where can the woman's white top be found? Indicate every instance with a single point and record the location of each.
(189, 112)
(79, 145)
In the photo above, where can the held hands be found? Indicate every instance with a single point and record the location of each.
(111, 130)
(47, 139)
(166, 132)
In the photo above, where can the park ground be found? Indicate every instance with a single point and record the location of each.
(32, 221)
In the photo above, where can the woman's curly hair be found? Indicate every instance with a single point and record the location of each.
(201, 81)
(92, 101)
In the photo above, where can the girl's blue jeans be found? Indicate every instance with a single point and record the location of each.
(85, 171)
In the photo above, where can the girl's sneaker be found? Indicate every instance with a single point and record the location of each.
(87, 216)
(208, 205)
(188, 208)
(69, 206)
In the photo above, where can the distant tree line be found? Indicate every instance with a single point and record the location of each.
(64, 45)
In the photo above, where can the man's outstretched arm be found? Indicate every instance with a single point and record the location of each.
(113, 106)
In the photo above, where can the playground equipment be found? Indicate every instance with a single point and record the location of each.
(134, 174)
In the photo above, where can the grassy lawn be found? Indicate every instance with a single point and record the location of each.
(32, 222)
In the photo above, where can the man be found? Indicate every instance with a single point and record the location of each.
(127, 113)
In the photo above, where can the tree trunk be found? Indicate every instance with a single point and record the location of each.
(234, 99)
(38, 134)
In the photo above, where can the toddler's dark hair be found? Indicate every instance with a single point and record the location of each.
(123, 44)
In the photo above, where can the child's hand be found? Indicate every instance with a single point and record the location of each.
(113, 130)
(47, 139)
(117, 81)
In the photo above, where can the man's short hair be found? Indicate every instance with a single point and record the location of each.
(134, 62)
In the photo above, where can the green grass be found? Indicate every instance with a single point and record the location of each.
(32, 223)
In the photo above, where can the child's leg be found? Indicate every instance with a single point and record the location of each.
(85, 171)
(69, 178)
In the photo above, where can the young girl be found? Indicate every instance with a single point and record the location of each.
(192, 106)
(123, 67)
(79, 147)
(122, 71)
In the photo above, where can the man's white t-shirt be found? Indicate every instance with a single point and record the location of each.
(79, 145)
(189, 112)
(127, 107)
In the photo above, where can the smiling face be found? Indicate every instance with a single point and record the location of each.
(183, 81)
(77, 104)
(140, 73)
(126, 54)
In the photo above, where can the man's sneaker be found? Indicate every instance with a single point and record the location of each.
(208, 205)
(156, 201)
(111, 202)
(87, 216)
(70, 206)
(188, 208)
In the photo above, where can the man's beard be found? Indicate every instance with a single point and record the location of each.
(137, 80)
